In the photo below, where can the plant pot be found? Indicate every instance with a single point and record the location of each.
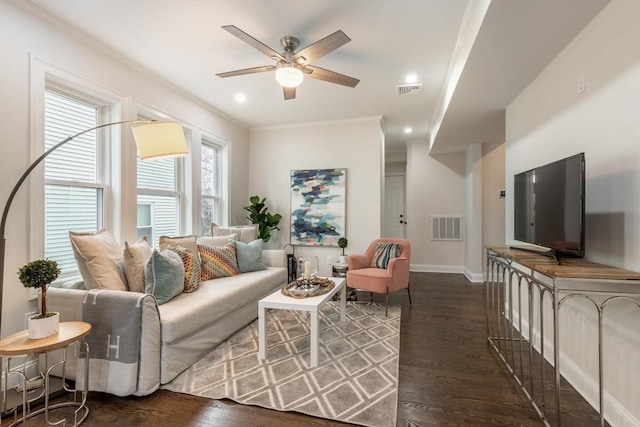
(44, 327)
(343, 259)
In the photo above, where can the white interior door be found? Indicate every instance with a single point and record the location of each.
(395, 220)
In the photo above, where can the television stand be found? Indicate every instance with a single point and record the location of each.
(516, 280)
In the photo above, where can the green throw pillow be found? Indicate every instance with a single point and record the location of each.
(250, 256)
(164, 275)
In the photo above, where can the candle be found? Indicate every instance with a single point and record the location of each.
(307, 269)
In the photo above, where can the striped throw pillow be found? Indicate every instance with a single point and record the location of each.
(191, 268)
(385, 251)
(218, 262)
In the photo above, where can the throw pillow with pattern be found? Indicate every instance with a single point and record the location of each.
(218, 262)
(191, 268)
(385, 251)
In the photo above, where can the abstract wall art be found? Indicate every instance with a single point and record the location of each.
(318, 202)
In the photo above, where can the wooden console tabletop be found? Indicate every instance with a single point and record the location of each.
(574, 268)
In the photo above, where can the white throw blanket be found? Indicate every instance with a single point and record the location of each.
(114, 341)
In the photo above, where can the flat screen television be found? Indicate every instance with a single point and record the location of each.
(549, 207)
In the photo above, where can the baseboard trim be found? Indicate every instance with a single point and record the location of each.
(455, 269)
(615, 412)
(430, 268)
(30, 367)
(474, 277)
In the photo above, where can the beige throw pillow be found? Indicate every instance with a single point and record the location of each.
(99, 259)
(187, 242)
(136, 256)
(216, 242)
(246, 233)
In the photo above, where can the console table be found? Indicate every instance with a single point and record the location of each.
(509, 274)
(19, 344)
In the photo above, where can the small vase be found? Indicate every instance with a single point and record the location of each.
(44, 327)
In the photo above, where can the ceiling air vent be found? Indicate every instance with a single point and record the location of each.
(412, 89)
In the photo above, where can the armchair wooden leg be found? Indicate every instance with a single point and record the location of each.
(409, 292)
(371, 296)
(386, 303)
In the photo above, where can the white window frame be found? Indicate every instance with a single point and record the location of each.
(217, 196)
(43, 76)
(224, 154)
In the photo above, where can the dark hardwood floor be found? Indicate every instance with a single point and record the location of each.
(448, 375)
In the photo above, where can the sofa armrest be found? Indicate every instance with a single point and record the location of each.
(68, 302)
(274, 258)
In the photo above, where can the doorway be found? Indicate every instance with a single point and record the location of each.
(394, 207)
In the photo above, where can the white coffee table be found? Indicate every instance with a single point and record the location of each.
(313, 305)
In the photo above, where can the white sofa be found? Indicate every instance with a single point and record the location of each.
(176, 334)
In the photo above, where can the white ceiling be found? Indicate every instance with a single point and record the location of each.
(182, 42)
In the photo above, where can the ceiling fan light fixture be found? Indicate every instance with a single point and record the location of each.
(287, 75)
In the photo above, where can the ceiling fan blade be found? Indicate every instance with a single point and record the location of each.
(332, 76)
(252, 42)
(289, 92)
(252, 70)
(320, 48)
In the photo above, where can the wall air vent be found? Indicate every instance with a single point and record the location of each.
(446, 227)
(412, 89)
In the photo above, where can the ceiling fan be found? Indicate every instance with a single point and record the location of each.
(290, 65)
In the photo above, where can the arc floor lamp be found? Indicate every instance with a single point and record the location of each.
(154, 139)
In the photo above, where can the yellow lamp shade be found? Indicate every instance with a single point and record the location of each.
(157, 140)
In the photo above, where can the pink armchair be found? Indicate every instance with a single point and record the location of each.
(361, 275)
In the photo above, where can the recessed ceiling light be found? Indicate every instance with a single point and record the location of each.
(411, 78)
(241, 98)
(408, 130)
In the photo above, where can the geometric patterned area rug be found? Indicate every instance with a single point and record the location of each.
(356, 380)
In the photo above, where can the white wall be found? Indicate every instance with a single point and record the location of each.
(22, 35)
(473, 253)
(357, 145)
(551, 120)
(435, 186)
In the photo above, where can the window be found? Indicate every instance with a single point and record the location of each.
(158, 199)
(145, 221)
(210, 185)
(73, 188)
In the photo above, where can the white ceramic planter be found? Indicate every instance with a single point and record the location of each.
(45, 327)
(343, 259)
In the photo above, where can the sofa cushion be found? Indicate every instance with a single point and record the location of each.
(164, 275)
(246, 233)
(218, 262)
(191, 269)
(250, 256)
(216, 242)
(135, 257)
(187, 242)
(216, 299)
(99, 259)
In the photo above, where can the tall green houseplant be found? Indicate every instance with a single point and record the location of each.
(258, 214)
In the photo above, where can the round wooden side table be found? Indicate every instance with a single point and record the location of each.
(19, 344)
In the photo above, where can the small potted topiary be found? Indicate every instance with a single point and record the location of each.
(40, 274)
(342, 243)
